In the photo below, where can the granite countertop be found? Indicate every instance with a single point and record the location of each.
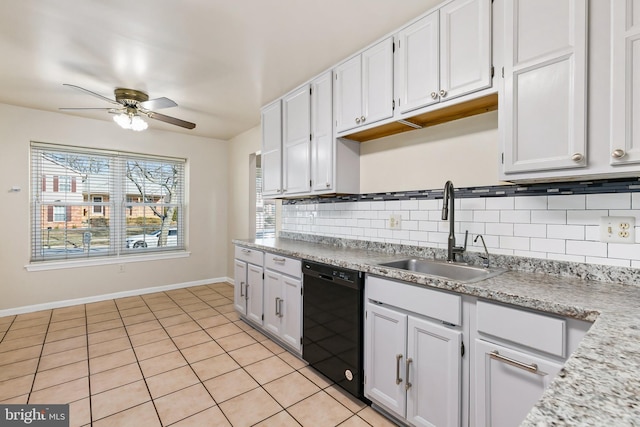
(600, 383)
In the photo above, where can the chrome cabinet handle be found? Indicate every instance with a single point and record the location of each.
(246, 251)
(328, 185)
(443, 93)
(434, 95)
(362, 119)
(246, 292)
(577, 157)
(277, 306)
(357, 119)
(398, 379)
(241, 293)
(618, 153)
(280, 307)
(280, 260)
(533, 368)
(407, 385)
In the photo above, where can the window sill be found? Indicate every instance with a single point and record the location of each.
(75, 263)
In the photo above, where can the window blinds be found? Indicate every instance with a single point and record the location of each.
(88, 203)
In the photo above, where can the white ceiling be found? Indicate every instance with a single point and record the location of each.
(219, 60)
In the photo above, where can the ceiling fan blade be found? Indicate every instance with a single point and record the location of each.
(97, 95)
(85, 108)
(158, 103)
(169, 119)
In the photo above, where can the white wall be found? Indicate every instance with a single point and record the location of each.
(240, 148)
(207, 237)
(464, 151)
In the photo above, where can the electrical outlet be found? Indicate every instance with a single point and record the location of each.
(395, 221)
(618, 229)
(120, 268)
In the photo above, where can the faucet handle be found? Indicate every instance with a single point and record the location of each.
(466, 236)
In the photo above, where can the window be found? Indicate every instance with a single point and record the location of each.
(104, 203)
(265, 209)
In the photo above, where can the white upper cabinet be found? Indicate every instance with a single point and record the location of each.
(296, 141)
(444, 55)
(465, 47)
(544, 103)
(322, 141)
(364, 87)
(625, 82)
(272, 149)
(418, 64)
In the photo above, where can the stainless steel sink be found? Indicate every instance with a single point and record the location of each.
(450, 271)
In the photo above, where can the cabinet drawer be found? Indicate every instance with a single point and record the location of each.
(427, 302)
(285, 265)
(538, 331)
(252, 256)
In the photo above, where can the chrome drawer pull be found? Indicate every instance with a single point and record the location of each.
(277, 306)
(398, 358)
(246, 251)
(280, 260)
(533, 368)
(241, 293)
(280, 307)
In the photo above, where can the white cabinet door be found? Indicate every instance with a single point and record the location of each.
(385, 344)
(348, 94)
(504, 394)
(418, 64)
(240, 286)
(322, 141)
(296, 141)
(377, 82)
(291, 327)
(625, 82)
(433, 370)
(544, 99)
(271, 155)
(272, 297)
(465, 47)
(253, 291)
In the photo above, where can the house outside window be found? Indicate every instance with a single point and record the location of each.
(99, 203)
(265, 209)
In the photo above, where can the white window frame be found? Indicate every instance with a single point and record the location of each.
(117, 251)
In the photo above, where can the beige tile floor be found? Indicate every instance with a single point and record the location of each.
(177, 358)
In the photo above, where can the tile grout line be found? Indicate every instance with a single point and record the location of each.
(35, 374)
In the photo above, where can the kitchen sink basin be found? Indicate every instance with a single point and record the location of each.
(458, 272)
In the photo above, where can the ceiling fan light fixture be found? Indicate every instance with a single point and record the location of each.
(130, 121)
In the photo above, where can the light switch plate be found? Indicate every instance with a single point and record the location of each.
(618, 229)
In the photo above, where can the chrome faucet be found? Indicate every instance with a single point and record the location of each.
(448, 198)
(485, 258)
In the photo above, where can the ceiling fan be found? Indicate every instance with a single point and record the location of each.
(131, 104)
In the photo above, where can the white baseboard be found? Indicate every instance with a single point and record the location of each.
(96, 298)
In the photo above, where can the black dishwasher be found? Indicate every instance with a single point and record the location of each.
(332, 331)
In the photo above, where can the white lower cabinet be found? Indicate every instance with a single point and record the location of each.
(413, 364)
(283, 300)
(247, 295)
(508, 383)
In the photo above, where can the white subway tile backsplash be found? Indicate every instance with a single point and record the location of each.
(591, 217)
(499, 229)
(530, 230)
(572, 232)
(515, 216)
(609, 201)
(548, 217)
(516, 243)
(486, 216)
(500, 203)
(561, 227)
(531, 202)
(556, 246)
(576, 201)
(596, 249)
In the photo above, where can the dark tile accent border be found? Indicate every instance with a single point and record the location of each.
(621, 185)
